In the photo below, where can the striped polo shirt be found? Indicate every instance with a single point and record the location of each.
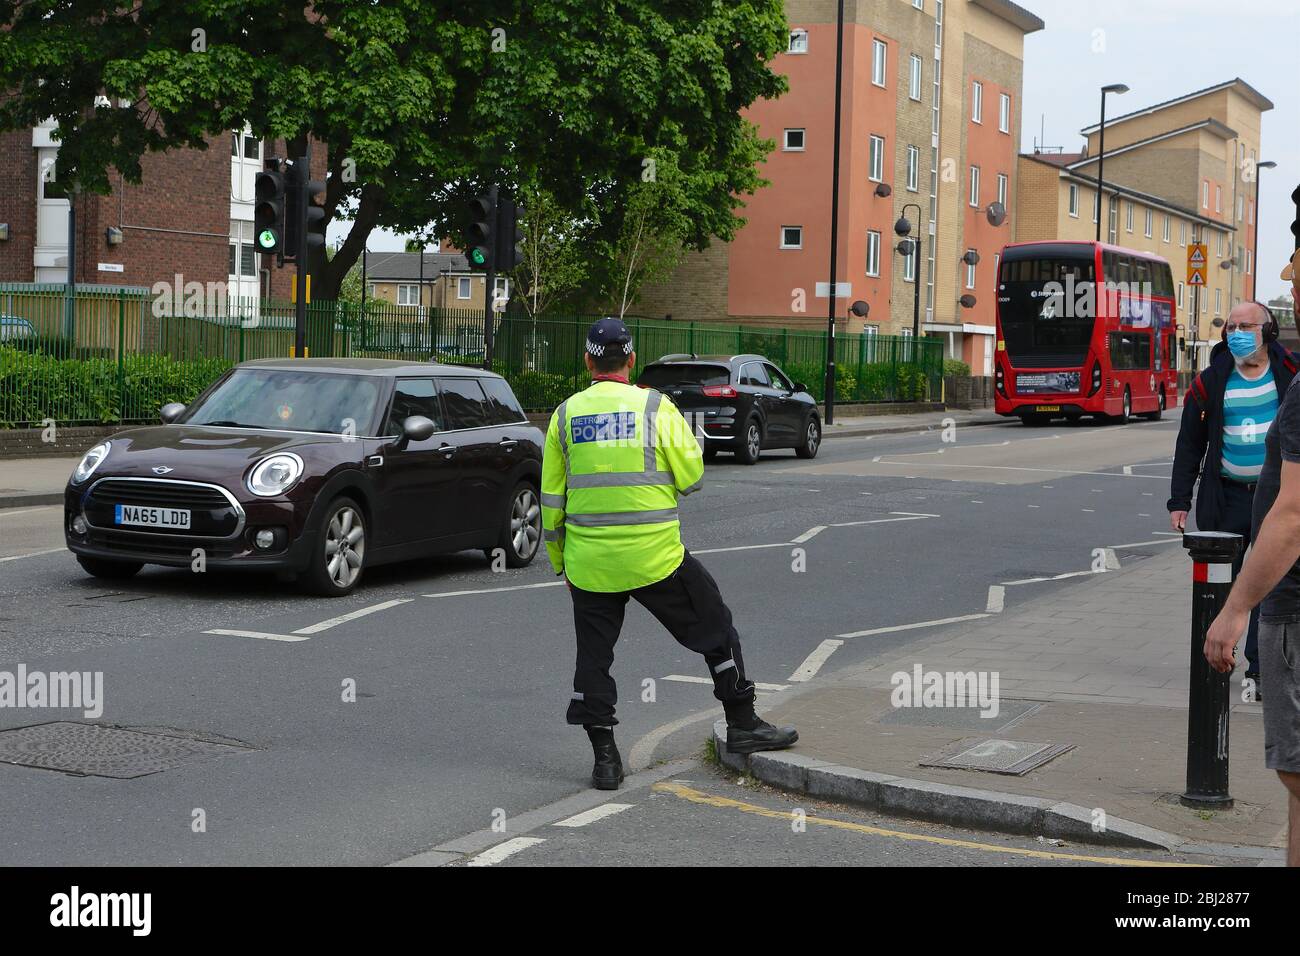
(1248, 409)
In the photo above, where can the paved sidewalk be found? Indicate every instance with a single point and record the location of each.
(851, 427)
(1105, 666)
(34, 481)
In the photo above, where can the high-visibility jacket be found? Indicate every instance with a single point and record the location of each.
(616, 459)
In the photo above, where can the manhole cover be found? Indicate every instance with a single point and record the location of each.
(962, 718)
(95, 751)
(1015, 757)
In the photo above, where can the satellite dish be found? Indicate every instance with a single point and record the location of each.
(967, 301)
(996, 213)
(860, 309)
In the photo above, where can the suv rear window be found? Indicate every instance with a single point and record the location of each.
(683, 373)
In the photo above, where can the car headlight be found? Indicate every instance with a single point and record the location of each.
(274, 475)
(90, 461)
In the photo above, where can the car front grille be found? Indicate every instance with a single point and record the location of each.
(212, 513)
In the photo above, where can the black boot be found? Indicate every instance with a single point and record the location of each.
(607, 772)
(747, 733)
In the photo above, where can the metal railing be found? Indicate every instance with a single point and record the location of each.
(111, 356)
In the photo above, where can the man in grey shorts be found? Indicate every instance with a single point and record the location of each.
(1272, 575)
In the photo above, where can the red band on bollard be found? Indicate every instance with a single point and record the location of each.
(1199, 572)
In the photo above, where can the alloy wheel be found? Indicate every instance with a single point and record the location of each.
(525, 523)
(345, 547)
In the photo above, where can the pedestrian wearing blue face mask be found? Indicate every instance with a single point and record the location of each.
(1226, 415)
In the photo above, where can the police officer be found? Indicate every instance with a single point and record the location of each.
(617, 458)
(1226, 414)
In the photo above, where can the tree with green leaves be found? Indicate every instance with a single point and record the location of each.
(418, 104)
(556, 255)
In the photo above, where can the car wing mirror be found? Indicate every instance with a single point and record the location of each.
(416, 428)
(170, 412)
(800, 387)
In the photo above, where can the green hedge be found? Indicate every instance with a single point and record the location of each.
(36, 386)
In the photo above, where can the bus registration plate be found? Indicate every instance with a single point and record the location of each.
(1047, 408)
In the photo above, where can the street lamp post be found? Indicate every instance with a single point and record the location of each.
(1254, 251)
(835, 217)
(904, 228)
(1101, 147)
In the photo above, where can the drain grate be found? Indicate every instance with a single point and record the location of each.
(1015, 757)
(90, 750)
(1010, 712)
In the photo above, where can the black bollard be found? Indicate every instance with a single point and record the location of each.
(1213, 553)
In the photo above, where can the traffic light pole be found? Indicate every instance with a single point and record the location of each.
(301, 174)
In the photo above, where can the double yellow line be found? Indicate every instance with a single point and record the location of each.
(696, 796)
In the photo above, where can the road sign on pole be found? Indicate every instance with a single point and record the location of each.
(1196, 263)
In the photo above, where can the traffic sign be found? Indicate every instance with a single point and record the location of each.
(1196, 263)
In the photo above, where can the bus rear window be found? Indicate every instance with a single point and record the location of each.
(1049, 269)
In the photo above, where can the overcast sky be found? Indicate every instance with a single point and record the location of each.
(1161, 49)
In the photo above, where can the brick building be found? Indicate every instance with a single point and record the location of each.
(930, 116)
(446, 282)
(192, 216)
(1178, 172)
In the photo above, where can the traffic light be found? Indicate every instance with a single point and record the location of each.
(482, 232)
(508, 255)
(1295, 223)
(269, 210)
(304, 220)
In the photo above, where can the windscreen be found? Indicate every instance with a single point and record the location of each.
(1046, 307)
(291, 399)
(683, 373)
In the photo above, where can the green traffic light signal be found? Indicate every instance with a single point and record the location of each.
(266, 240)
(478, 257)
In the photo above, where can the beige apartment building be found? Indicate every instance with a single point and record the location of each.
(929, 131)
(1175, 173)
(445, 282)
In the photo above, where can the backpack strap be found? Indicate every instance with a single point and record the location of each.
(1198, 390)
(1288, 359)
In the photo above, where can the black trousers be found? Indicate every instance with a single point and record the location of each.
(1238, 500)
(689, 604)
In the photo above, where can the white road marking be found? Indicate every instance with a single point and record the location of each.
(916, 514)
(260, 635)
(1051, 471)
(594, 814)
(32, 554)
(809, 534)
(515, 587)
(351, 616)
(692, 679)
(1112, 559)
(6, 513)
(850, 524)
(742, 547)
(997, 594)
(1139, 544)
(814, 661)
(1088, 510)
(503, 850)
(909, 627)
(1128, 469)
(975, 501)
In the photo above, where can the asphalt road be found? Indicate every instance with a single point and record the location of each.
(462, 675)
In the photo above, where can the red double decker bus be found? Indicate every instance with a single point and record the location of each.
(1084, 328)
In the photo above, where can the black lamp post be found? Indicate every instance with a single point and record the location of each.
(835, 217)
(1101, 147)
(904, 228)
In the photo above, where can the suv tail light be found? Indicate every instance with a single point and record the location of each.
(719, 391)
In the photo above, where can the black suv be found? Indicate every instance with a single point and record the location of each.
(738, 403)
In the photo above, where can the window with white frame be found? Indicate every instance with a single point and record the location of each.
(1218, 301)
(914, 79)
(1165, 235)
(876, 159)
(879, 62)
(463, 287)
(913, 167)
(1002, 188)
(792, 237)
(975, 186)
(977, 102)
(798, 41)
(919, 4)
(408, 294)
(873, 253)
(794, 140)
(1218, 199)
(1180, 295)
(1149, 217)
(1182, 233)
(1128, 218)
(1250, 212)
(1074, 200)
(243, 254)
(909, 260)
(1205, 194)
(970, 269)
(1004, 113)
(1096, 205)
(1218, 244)
(1248, 262)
